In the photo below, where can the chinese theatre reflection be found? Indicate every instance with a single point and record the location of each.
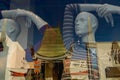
(51, 53)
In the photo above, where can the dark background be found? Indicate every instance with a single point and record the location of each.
(52, 12)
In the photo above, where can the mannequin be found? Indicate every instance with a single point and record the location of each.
(79, 52)
(76, 34)
(11, 50)
(16, 56)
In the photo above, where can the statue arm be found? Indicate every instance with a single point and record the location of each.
(108, 8)
(89, 7)
(106, 11)
(38, 21)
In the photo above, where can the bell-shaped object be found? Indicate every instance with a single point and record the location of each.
(52, 44)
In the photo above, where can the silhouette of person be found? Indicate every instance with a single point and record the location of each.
(119, 56)
(115, 57)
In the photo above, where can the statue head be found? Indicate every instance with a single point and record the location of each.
(11, 27)
(81, 23)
